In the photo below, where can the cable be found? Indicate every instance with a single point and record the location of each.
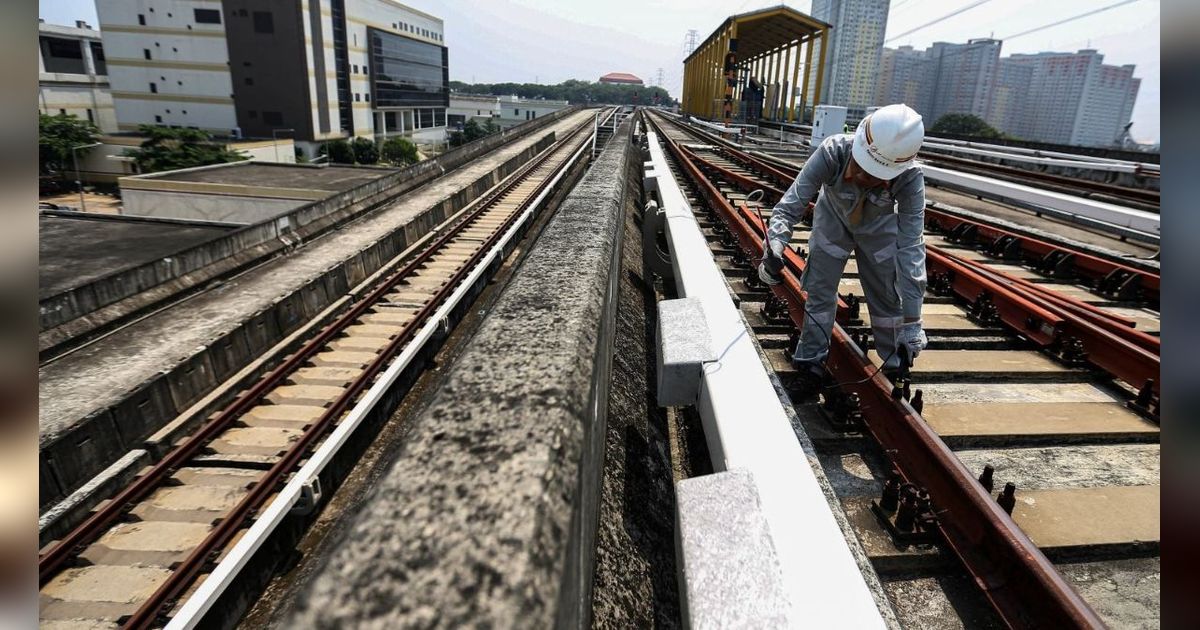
(944, 17)
(1070, 19)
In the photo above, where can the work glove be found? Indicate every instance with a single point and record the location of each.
(912, 335)
(771, 268)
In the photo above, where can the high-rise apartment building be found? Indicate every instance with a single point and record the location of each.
(1059, 98)
(1073, 98)
(73, 75)
(963, 77)
(313, 70)
(852, 61)
(904, 77)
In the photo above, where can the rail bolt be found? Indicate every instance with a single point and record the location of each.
(1008, 498)
(985, 478)
(891, 493)
(907, 514)
(918, 401)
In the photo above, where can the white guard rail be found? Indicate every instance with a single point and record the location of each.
(1095, 212)
(746, 427)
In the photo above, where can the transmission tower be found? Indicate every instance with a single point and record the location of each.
(658, 78)
(689, 41)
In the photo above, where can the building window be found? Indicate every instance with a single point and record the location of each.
(355, 68)
(367, 97)
(357, 97)
(168, 111)
(249, 81)
(207, 16)
(264, 22)
(141, 19)
(146, 53)
(154, 88)
(158, 119)
(185, 112)
(272, 118)
(439, 118)
(516, 112)
(62, 112)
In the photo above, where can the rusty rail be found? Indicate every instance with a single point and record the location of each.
(1015, 576)
(1111, 277)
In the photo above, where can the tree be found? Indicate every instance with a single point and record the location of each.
(964, 125)
(56, 135)
(573, 90)
(166, 149)
(400, 151)
(339, 151)
(365, 151)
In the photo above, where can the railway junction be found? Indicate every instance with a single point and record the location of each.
(536, 382)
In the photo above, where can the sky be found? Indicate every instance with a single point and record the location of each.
(549, 41)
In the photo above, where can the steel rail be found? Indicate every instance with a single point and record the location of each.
(186, 571)
(1008, 244)
(1015, 576)
(50, 561)
(1071, 185)
(1123, 327)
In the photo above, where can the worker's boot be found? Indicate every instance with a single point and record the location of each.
(807, 382)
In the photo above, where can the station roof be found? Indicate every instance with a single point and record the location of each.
(766, 29)
(75, 248)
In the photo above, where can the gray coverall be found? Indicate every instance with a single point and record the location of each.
(886, 237)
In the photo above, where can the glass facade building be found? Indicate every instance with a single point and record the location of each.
(408, 73)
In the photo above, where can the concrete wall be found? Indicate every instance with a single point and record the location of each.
(204, 207)
(488, 516)
(75, 312)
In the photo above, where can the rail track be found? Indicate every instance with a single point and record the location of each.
(189, 523)
(1147, 199)
(1018, 467)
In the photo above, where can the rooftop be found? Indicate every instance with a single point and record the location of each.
(267, 176)
(76, 248)
(620, 76)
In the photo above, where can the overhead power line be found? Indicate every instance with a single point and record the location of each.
(1070, 19)
(944, 17)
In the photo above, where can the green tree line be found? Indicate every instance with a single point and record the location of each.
(573, 90)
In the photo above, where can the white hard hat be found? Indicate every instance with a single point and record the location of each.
(887, 141)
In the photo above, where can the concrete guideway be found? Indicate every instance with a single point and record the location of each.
(113, 393)
(297, 414)
(487, 516)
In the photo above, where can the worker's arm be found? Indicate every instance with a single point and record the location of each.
(820, 167)
(910, 246)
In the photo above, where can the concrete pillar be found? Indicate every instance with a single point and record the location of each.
(89, 65)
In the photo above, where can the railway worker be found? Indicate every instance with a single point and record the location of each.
(871, 202)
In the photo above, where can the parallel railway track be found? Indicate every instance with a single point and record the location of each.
(1008, 379)
(1140, 198)
(140, 554)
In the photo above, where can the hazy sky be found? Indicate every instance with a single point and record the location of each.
(553, 40)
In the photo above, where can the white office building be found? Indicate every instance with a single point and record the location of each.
(852, 61)
(314, 70)
(73, 74)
